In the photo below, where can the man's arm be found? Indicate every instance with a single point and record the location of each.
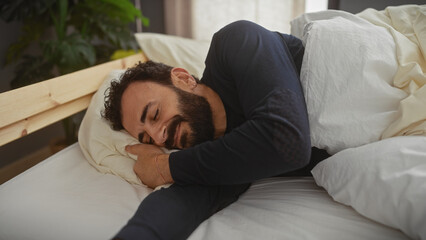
(175, 212)
(274, 139)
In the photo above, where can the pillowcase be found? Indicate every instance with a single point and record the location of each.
(346, 75)
(298, 24)
(384, 181)
(104, 147)
(175, 51)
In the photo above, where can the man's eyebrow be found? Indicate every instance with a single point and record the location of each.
(144, 112)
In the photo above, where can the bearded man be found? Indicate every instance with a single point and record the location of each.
(245, 120)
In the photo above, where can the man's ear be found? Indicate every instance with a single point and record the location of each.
(182, 79)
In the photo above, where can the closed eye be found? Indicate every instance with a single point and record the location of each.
(156, 115)
(141, 136)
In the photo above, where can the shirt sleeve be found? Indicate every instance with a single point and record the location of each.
(274, 139)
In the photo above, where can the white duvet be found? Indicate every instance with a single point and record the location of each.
(346, 76)
(407, 24)
(352, 76)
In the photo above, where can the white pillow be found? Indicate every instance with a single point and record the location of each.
(175, 51)
(384, 181)
(298, 24)
(346, 75)
(104, 147)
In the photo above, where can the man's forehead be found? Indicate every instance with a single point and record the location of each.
(137, 90)
(139, 94)
(146, 87)
(140, 85)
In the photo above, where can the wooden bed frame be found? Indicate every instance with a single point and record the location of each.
(30, 108)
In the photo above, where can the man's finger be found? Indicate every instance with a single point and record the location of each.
(133, 149)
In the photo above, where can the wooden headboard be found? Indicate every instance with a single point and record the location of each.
(30, 108)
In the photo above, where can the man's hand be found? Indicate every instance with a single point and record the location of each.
(152, 166)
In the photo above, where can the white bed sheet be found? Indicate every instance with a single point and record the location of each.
(66, 198)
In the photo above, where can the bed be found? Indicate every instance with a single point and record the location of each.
(373, 187)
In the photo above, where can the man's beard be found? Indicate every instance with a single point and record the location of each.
(196, 111)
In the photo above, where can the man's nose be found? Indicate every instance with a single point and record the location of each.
(158, 134)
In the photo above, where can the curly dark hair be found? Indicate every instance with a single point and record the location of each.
(146, 71)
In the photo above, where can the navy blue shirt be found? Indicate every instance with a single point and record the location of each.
(256, 74)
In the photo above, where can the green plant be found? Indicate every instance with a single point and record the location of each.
(66, 35)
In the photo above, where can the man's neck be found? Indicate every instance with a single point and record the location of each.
(217, 107)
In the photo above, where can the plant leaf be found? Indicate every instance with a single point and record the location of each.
(145, 21)
(71, 54)
(31, 32)
(20, 10)
(31, 70)
(124, 9)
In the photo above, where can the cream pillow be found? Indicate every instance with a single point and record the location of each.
(175, 51)
(384, 181)
(104, 147)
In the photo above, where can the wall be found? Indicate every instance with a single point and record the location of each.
(209, 16)
(154, 10)
(200, 19)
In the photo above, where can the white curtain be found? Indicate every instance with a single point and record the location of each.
(200, 19)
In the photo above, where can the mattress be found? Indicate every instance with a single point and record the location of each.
(65, 197)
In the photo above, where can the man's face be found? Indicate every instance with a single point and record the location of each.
(166, 116)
